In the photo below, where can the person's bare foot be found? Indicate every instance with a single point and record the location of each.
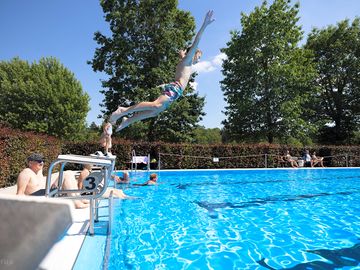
(122, 125)
(116, 115)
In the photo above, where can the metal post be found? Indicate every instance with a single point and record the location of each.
(159, 162)
(61, 175)
(110, 211)
(265, 160)
(96, 208)
(91, 229)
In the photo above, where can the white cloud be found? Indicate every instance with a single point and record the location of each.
(209, 66)
(203, 66)
(219, 59)
(193, 85)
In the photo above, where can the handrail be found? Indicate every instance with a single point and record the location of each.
(63, 161)
(189, 156)
(133, 154)
(108, 238)
(107, 165)
(134, 164)
(111, 201)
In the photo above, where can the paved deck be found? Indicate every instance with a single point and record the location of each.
(64, 253)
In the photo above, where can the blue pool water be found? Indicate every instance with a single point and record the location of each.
(245, 219)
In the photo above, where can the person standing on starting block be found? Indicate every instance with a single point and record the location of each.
(105, 139)
(171, 91)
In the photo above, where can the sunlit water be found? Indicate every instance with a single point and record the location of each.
(255, 219)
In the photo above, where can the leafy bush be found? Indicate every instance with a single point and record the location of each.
(16, 146)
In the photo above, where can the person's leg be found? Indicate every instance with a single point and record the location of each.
(117, 193)
(70, 183)
(140, 107)
(109, 144)
(143, 115)
(294, 163)
(136, 117)
(106, 148)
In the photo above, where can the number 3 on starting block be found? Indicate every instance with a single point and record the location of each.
(92, 181)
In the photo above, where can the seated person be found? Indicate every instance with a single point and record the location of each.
(291, 159)
(307, 159)
(31, 180)
(152, 181)
(117, 193)
(317, 160)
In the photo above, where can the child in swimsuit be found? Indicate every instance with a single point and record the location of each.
(105, 139)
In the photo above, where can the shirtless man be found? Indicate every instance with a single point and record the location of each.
(152, 181)
(31, 180)
(171, 91)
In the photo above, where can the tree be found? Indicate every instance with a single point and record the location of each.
(267, 76)
(42, 97)
(337, 56)
(207, 135)
(141, 54)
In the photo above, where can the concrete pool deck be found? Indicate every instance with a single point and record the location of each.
(64, 252)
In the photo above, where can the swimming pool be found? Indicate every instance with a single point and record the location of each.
(240, 219)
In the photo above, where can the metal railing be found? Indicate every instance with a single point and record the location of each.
(265, 159)
(93, 192)
(134, 161)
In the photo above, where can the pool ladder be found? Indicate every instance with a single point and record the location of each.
(138, 159)
(94, 213)
(96, 190)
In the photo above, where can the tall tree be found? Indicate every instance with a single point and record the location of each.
(204, 135)
(141, 54)
(43, 97)
(337, 56)
(266, 76)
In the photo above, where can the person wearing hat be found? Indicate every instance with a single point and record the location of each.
(31, 180)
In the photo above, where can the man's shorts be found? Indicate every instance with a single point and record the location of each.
(173, 91)
(40, 192)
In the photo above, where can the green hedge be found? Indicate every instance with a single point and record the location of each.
(187, 156)
(15, 146)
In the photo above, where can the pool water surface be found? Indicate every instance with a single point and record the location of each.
(240, 219)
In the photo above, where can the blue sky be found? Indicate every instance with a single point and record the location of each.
(31, 29)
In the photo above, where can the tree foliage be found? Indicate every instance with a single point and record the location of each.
(207, 135)
(43, 97)
(141, 54)
(267, 76)
(337, 57)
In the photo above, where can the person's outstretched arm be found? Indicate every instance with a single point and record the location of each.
(208, 20)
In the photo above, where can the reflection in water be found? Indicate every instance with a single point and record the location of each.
(262, 181)
(339, 258)
(211, 207)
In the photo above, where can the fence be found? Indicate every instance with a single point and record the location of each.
(178, 161)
